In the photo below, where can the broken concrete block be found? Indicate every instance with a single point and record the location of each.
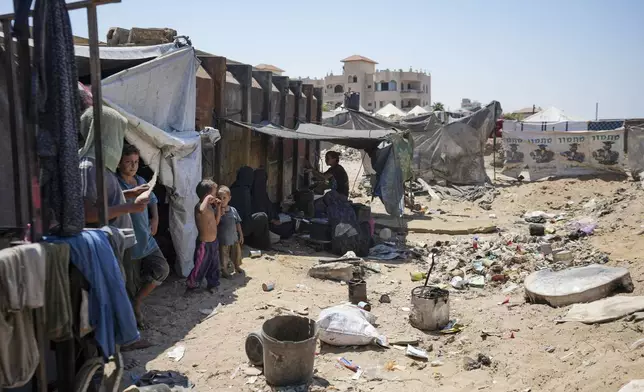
(333, 271)
(576, 285)
(151, 36)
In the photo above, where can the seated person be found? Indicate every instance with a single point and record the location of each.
(261, 203)
(336, 173)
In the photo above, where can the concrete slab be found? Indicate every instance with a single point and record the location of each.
(576, 285)
(434, 226)
(607, 309)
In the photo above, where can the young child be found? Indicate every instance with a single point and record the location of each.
(207, 217)
(231, 236)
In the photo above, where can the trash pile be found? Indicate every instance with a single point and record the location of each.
(478, 261)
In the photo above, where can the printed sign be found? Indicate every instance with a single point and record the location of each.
(546, 154)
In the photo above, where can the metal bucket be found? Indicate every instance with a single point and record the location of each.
(357, 291)
(287, 346)
(429, 308)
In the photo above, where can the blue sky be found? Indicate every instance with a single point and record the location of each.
(566, 53)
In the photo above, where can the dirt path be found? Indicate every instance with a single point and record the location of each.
(541, 355)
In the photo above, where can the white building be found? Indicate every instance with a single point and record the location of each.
(377, 88)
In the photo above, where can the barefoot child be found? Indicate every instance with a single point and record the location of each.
(231, 236)
(207, 216)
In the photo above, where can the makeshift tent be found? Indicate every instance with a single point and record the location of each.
(390, 110)
(389, 148)
(454, 150)
(417, 110)
(158, 97)
(552, 114)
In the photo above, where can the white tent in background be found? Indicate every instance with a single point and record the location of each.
(552, 114)
(390, 110)
(417, 110)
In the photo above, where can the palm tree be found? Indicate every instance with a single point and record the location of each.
(438, 107)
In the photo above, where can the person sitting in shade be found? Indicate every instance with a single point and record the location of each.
(336, 173)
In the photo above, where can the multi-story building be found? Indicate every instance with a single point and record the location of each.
(377, 88)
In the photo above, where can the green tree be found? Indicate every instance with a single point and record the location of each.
(438, 107)
(513, 116)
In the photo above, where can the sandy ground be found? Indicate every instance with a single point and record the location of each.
(585, 357)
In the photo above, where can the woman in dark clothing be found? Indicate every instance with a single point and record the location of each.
(254, 225)
(261, 202)
(336, 173)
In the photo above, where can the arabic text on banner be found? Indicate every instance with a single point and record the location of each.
(546, 154)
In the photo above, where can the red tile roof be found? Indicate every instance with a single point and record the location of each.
(268, 67)
(357, 57)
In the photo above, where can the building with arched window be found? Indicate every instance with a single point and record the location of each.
(377, 88)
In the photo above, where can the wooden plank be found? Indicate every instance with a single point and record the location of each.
(429, 189)
(216, 68)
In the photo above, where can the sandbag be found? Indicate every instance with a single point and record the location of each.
(348, 325)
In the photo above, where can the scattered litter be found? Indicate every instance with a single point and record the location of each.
(251, 380)
(603, 310)
(348, 325)
(417, 276)
(252, 371)
(505, 301)
(385, 234)
(405, 341)
(270, 286)
(576, 285)
(348, 364)
(452, 327)
(255, 253)
(373, 267)
(436, 363)
(385, 252)
(364, 305)
(405, 309)
(492, 216)
(477, 281)
(550, 349)
(417, 353)
(234, 373)
(562, 256)
(169, 378)
(567, 357)
(177, 353)
(210, 312)
(458, 283)
(384, 299)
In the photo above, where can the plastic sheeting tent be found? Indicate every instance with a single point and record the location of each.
(417, 110)
(389, 148)
(453, 150)
(390, 110)
(158, 97)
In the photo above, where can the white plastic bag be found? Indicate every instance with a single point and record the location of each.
(348, 325)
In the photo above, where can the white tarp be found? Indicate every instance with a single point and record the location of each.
(552, 114)
(159, 100)
(416, 111)
(547, 154)
(390, 110)
(510, 125)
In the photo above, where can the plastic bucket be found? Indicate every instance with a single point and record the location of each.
(287, 346)
(357, 291)
(429, 308)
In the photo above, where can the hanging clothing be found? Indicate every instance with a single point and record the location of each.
(22, 288)
(55, 87)
(110, 309)
(113, 125)
(58, 306)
